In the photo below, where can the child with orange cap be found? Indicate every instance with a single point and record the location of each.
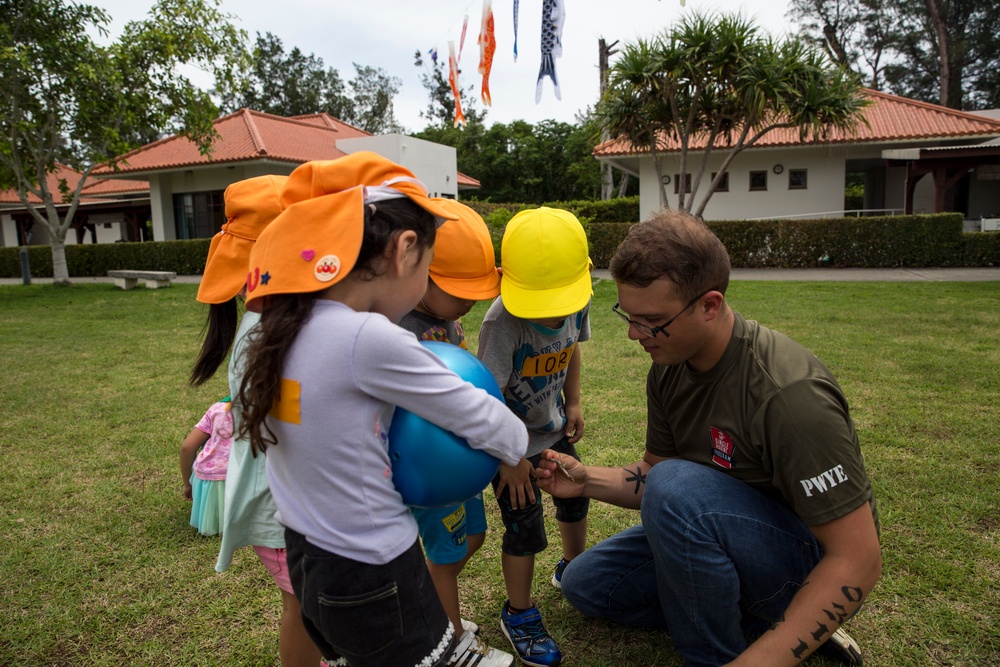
(248, 514)
(345, 261)
(462, 272)
(530, 342)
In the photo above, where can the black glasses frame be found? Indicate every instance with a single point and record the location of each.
(651, 332)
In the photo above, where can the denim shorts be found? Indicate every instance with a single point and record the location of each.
(445, 530)
(524, 528)
(370, 615)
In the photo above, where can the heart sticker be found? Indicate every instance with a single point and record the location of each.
(308, 254)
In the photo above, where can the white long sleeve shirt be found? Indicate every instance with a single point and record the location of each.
(330, 473)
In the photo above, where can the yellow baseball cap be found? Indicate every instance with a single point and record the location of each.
(251, 205)
(546, 264)
(315, 241)
(464, 264)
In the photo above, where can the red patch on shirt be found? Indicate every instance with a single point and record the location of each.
(722, 448)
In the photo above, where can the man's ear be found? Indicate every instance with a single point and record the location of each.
(713, 303)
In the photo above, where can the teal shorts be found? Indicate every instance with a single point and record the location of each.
(444, 530)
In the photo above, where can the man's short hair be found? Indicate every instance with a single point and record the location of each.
(674, 245)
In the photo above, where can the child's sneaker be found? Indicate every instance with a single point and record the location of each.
(529, 638)
(474, 652)
(841, 646)
(557, 574)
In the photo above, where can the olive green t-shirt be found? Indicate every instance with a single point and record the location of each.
(769, 414)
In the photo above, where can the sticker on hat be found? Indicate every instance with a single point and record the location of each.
(327, 268)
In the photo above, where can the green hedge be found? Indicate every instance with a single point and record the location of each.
(184, 257)
(876, 242)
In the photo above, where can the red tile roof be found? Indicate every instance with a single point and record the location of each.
(890, 119)
(246, 135)
(95, 187)
(252, 135)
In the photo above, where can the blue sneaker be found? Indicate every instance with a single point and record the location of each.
(529, 638)
(557, 574)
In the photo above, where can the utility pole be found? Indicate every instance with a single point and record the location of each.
(605, 51)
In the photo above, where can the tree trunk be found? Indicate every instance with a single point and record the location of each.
(604, 52)
(623, 184)
(941, 30)
(60, 270)
(607, 182)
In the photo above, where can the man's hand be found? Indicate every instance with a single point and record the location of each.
(561, 475)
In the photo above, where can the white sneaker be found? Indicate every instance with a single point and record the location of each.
(841, 646)
(470, 626)
(474, 652)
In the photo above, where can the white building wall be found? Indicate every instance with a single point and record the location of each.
(8, 231)
(436, 165)
(823, 195)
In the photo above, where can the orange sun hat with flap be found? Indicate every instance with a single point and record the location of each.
(464, 264)
(315, 241)
(251, 205)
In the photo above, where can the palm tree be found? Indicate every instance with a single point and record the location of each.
(719, 81)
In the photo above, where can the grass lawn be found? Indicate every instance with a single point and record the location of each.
(98, 565)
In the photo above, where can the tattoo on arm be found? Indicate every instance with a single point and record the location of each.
(836, 613)
(638, 477)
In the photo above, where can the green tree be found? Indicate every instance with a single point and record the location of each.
(373, 92)
(718, 79)
(67, 99)
(289, 84)
(941, 51)
(295, 84)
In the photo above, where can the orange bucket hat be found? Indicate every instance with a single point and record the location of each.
(315, 241)
(464, 264)
(250, 206)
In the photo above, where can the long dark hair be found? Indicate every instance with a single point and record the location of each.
(219, 332)
(284, 315)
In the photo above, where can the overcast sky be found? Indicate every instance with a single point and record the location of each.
(386, 33)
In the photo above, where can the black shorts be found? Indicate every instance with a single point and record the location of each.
(524, 529)
(369, 614)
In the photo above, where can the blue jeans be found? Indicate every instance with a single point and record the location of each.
(713, 561)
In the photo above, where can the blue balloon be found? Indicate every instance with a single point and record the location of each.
(432, 467)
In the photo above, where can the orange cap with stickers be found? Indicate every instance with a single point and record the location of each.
(251, 205)
(315, 241)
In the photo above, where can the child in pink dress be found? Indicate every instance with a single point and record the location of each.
(204, 460)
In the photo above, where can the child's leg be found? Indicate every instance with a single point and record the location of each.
(571, 515)
(518, 571)
(295, 647)
(524, 536)
(574, 538)
(443, 532)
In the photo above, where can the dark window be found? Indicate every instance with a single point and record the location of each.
(687, 183)
(723, 185)
(199, 215)
(758, 180)
(797, 179)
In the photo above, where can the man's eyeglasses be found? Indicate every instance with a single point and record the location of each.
(651, 332)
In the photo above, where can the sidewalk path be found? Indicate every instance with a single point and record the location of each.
(978, 274)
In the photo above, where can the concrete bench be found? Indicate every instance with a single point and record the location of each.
(154, 279)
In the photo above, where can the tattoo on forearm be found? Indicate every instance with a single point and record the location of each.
(638, 477)
(836, 612)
